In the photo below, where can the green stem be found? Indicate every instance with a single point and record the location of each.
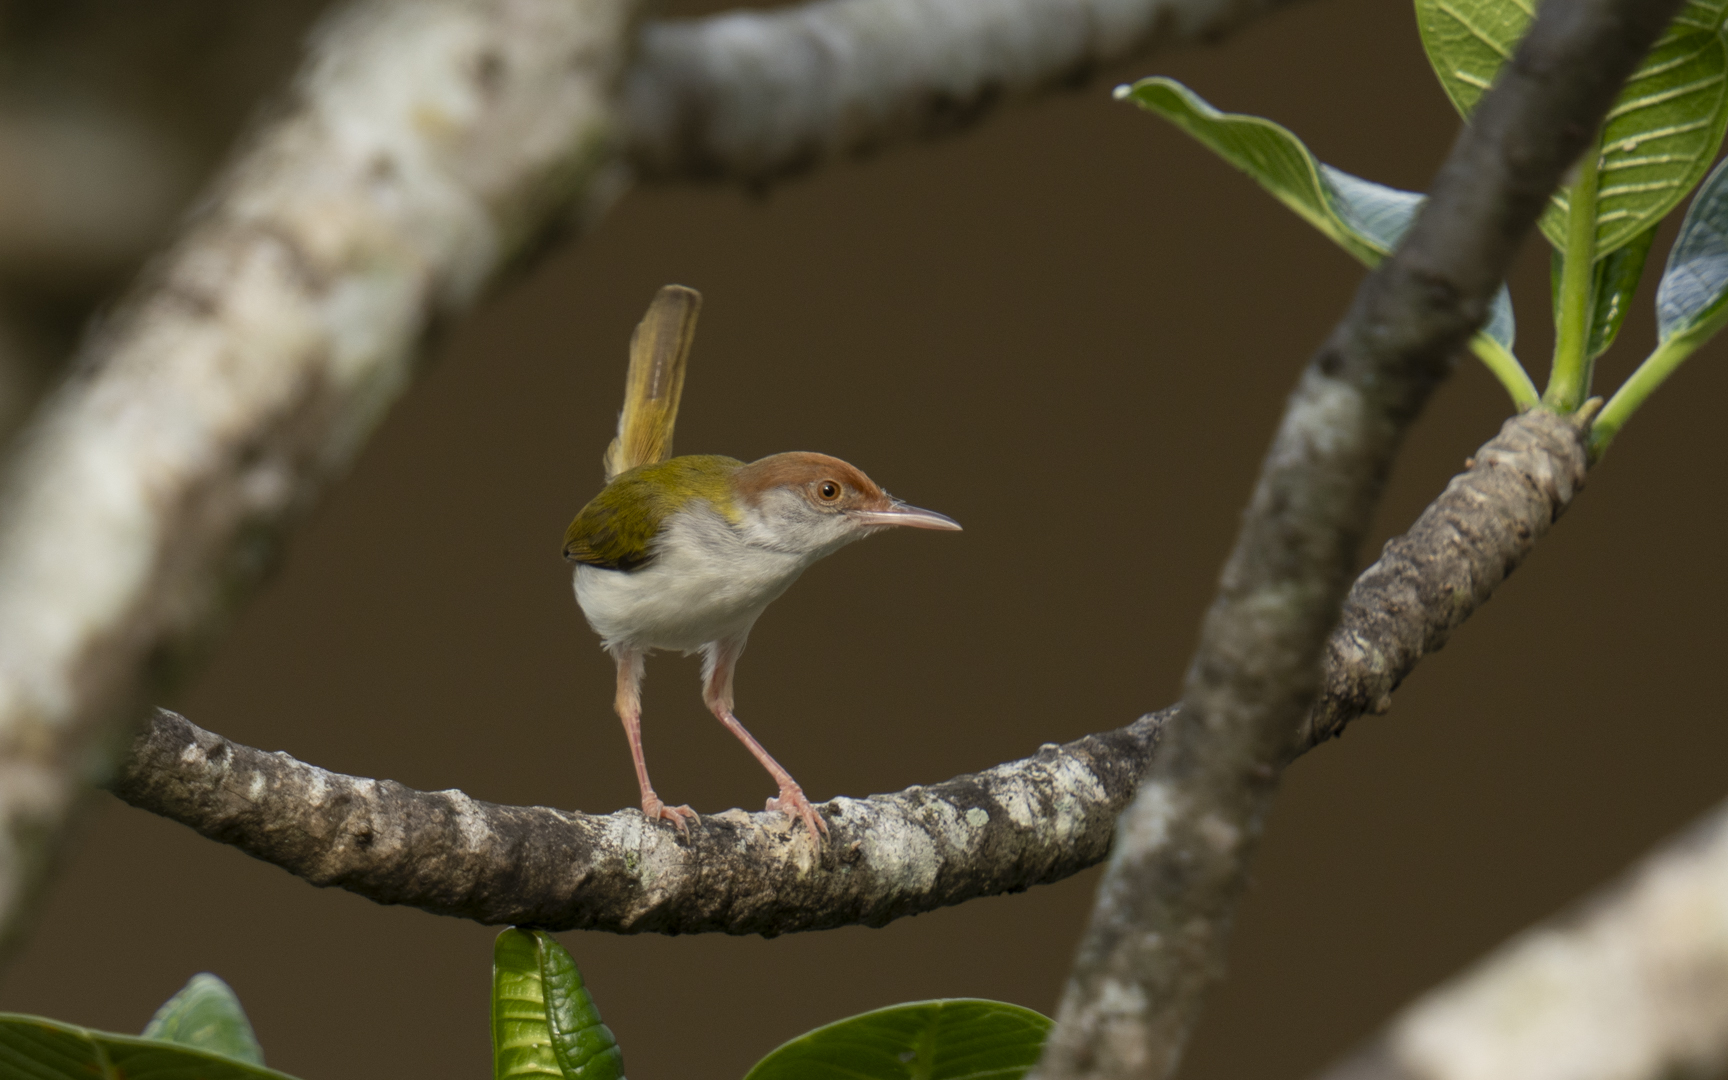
(1569, 381)
(1626, 400)
(1508, 370)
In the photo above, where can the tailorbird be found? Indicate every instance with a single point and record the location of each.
(685, 552)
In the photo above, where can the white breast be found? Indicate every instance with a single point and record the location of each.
(707, 582)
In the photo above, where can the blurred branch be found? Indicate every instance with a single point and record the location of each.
(109, 115)
(1631, 984)
(424, 145)
(1161, 921)
(754, 95)
(1013, 826)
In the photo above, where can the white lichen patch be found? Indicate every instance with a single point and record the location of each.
(900, 852)
(1054, 802)
(470, 821)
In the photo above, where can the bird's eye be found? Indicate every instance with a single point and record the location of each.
(828, 490)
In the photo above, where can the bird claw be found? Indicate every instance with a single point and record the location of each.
(793, 804)
(655, 810)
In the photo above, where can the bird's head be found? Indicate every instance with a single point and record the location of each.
(812, 504)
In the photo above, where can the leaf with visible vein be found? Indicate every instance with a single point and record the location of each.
(35, 1048)
(1661, 133)
(1692, 300)
(206, 1014)
(952, 1039)
(544, 1023)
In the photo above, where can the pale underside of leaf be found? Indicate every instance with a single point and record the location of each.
(1694, 288)
(1364, 218)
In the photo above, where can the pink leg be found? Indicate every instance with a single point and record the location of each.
(720, 659)
(629, 706)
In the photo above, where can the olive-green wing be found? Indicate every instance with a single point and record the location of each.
(612, 536)
(617, 529)
(658, 351)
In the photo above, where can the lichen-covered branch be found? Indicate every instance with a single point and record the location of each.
(425, 143)
(754, 95)
(1433, 577)
(1631, 984)
(1161, 922)
(1002, 830)
(1018, 824)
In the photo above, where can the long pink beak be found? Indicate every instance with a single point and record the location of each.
(910, 516)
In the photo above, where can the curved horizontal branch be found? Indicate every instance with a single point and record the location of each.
(1003, 830)
(754, 95)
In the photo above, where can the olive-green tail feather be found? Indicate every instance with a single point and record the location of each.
(658, 351)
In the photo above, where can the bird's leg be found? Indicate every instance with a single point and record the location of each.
(629, 706)
(719, 660)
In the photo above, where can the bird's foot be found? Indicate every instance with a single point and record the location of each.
(655, 810)
(793, 804)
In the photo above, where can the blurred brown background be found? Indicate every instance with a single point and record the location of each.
(1071, 329)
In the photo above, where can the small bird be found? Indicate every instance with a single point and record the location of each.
(685, 552)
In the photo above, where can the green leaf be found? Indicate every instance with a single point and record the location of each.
(543, 1021)
(34, 1048)
(1364, 218)
(207, 1015)
(953, 1039)
(1614, 280)
(1692, 300)
(1661, 133)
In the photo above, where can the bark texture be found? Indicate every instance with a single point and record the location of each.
(1003, 830)
(1162, 918)
(1432, 578)
(1632, 984)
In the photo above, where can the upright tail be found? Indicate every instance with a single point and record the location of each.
(658, 351)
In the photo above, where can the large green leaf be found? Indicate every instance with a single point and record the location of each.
(954, 1039)
(1661, 134)
(32, 1048)
(1362, 217)
(207, 1015)
(543, 1021)
(1692, 300)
